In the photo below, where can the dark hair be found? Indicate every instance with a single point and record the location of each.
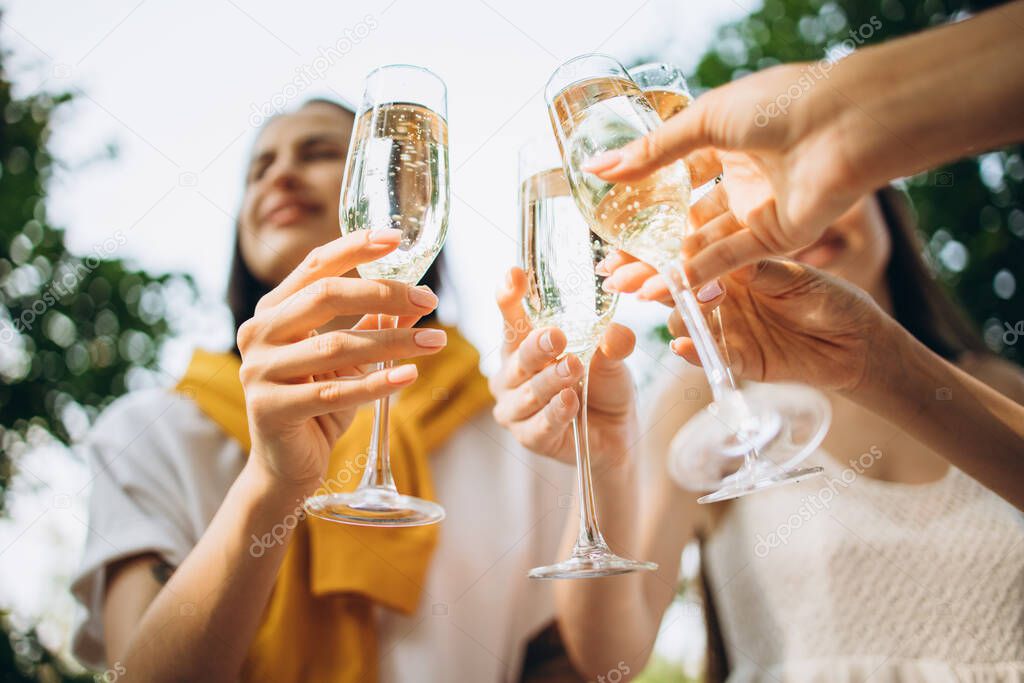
(245, 289)
(920, 303)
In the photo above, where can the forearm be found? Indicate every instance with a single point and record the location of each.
(201, 624)
(606, 622)
(917, 102)
(971, 425)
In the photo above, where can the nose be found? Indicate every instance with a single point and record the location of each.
(284, 174)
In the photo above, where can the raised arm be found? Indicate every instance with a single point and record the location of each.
(799, 143)
(301, 391)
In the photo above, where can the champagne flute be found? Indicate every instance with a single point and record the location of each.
(665, 88)
(595, 106)
(559, 254)
(396, 177)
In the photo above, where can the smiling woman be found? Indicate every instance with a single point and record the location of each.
(200, 513)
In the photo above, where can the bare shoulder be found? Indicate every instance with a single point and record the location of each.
(1005, 377)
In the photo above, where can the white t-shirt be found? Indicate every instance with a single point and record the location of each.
(162, 468)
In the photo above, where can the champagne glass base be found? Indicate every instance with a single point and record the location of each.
(591, 564)
(746, 486)
(709, 452)
(375, 506)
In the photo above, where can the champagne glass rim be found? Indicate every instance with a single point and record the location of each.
(579, 58)
(668, 67)
(413, 67)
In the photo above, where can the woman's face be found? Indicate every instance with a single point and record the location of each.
(856, 247)
(292, 189)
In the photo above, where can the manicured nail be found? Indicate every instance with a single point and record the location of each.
(422, 296)
(385, 236)
(676, 346)
(603, 161)
(562, 368)
(609, 285)
(602, 269)
(710, 291)
(402, 374)
(430, 338)
(547, 343)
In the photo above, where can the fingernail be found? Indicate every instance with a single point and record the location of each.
(675, 346)
(602, 269)
(709, 291)
(563, 369)
(430, 338)
(422, 296)
(547, 343)
(385, 236)
(402, 374)
(602, 161)
(609, 285)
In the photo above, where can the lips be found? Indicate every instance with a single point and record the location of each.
(290, 210)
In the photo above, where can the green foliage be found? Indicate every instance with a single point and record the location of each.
(971, 212)
(72, 327)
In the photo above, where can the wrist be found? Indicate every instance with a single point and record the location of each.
(270, 490)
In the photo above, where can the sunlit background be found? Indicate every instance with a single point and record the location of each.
(143, 168)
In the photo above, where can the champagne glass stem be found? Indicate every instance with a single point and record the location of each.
(717, 371)
(589, 536)
(716, 319)
(378, 460)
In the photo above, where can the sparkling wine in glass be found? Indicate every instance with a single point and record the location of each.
(559, 255)
(595, 106)
(665, 88)
(396, 177)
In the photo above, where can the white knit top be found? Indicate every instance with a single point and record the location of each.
(849, 578)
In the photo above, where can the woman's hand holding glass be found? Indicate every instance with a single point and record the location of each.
(535, 391)
(302, 389)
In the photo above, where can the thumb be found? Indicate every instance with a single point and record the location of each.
(682, 134)
(776, 276)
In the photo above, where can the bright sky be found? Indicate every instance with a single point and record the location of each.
(176, 85)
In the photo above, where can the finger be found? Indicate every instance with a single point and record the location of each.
(510, 301)
(682, 134)
(655, 289)
(539, 349)
(617, 342)
(372, 321)
(335, 258)
(705, 165)
(543, 431)
(615, 259)
(685, 349)
(710, 297)
(523, 402)
(331, 297)
(725, 255)
(344, 349)
(629, 277)
(711, 205)
(715, 230)
(297, 402)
